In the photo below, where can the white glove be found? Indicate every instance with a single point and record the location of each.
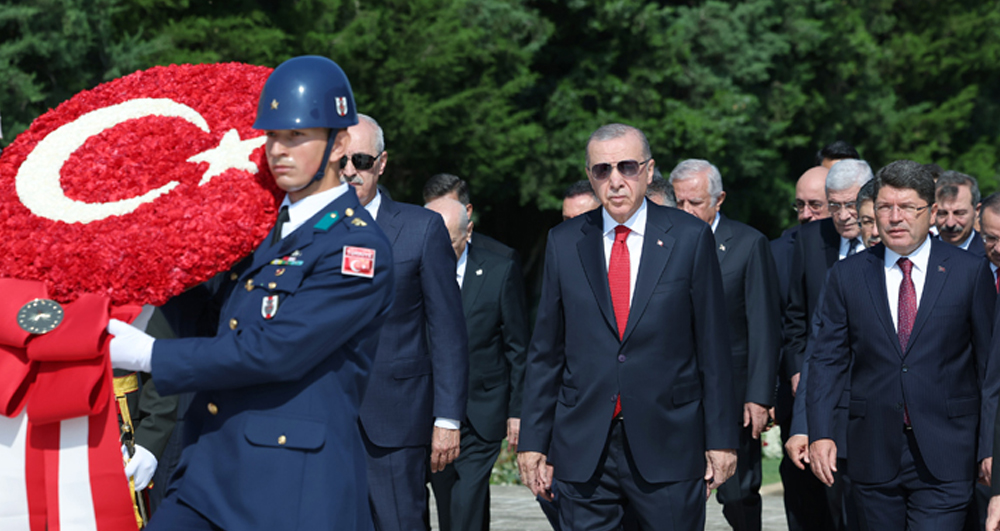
(131, 348)
(140, 467)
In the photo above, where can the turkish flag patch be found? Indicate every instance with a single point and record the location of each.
(358, 262)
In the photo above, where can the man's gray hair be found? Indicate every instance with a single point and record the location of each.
(612, 131)
(949, 181)
(379, 136)
(692, 168)
(848, 173)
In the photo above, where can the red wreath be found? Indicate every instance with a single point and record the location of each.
(178, 240)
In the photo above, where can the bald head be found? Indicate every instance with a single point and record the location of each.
(456, 219)
(810, 195)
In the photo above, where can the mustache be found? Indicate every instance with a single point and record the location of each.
(352, 179)
(954, 229)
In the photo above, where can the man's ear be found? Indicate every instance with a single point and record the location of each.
(340, 143)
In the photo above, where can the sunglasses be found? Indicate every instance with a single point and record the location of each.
(628, 168)
(361, 161)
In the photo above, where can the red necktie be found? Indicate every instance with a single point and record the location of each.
(907, 303)
(997, 273)
(618, 281)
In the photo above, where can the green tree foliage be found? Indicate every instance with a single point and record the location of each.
(506, 92)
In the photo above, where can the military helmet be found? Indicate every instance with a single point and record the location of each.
(307, 91)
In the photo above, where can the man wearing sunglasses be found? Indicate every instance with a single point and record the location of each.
(629, 391)
(417, 394)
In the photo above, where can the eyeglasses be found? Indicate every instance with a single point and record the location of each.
(628, 168)
(909, 211)
(815, 205)
(866, 222)
(361, 161)
(850, 206)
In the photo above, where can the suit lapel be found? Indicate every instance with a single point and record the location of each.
(723, 233)
(656, 249)
(475, 276)
(388, 219)
(934, 281)
(831, 241)
(875, 280)
(591, 251)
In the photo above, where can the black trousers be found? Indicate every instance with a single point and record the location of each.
(462, 489)
(740, 495)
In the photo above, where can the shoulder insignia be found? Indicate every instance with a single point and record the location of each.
(349, 212)
(358, 222)
(328, 221)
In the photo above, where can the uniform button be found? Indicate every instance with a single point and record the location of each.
(282, 440)
(233, 276)
(272, 285)
(249, 284)
(621, 358)
(233, 323)
(213, 409)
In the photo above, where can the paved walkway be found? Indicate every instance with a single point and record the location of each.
(514, 509)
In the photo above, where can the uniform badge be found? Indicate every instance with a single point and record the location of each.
(358, 262)
(342, 106)
(269, 306)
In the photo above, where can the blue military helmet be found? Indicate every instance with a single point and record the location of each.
(306, 91)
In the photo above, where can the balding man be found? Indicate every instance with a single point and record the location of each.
(750, 283)
(578, 199)
(497, 324)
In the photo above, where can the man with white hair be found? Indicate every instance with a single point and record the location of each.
(750, 282)
(819, 245)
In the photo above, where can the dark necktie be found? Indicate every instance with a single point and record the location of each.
(282, 218)
(618, 281)
(852, 247)
(907, 303)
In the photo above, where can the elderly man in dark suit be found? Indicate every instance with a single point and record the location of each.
(907, 326)
(629, 391)
(417, 394)
(752, 301)
(497, 323)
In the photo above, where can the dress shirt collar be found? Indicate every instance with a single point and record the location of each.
(636, 223)
(302, 210)
(376, 202)
(715, 222)
(462, 263)
(920, 257)
(965, 244)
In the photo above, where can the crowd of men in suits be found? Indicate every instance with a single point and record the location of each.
(667, 339)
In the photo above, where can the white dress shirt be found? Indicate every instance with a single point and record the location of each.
(372, 206)
(845, 246)
(894, 276)
(637, 224)
(715, 222)
(302, 210)
(462, 261)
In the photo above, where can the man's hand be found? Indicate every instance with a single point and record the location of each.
(131, 348)
(993, 514)
(823, 460)
(536, 473)
(986, 471)
(720, 465)
(757, 416)
(797, 449)
(795, 382)
(140, 467)
(513, 433)
(444, 447)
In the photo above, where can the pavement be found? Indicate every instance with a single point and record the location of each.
(513, 508)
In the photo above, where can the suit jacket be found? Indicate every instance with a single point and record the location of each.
(496, 319)
(422, 366)
(673, 368)
(943, 378)
(976, 246)
(816, 249)
(753, 304)
(782, 249)
(271, 436)
(492, 244)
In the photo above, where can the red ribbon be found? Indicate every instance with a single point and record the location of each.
(57, 376)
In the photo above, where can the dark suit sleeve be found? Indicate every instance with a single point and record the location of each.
(723, 414)
(514, 331)
(984, 303)
(546, 357)
(795, 327)
(830, 361)
(763, 323)
(800, 419)
(158, 416)
(447, 337)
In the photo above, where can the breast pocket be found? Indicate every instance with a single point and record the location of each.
(671, 285)
(279, 278)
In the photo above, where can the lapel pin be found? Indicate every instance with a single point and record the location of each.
(722, 247)
(941, 269)
(479, 272)
(659, 242)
